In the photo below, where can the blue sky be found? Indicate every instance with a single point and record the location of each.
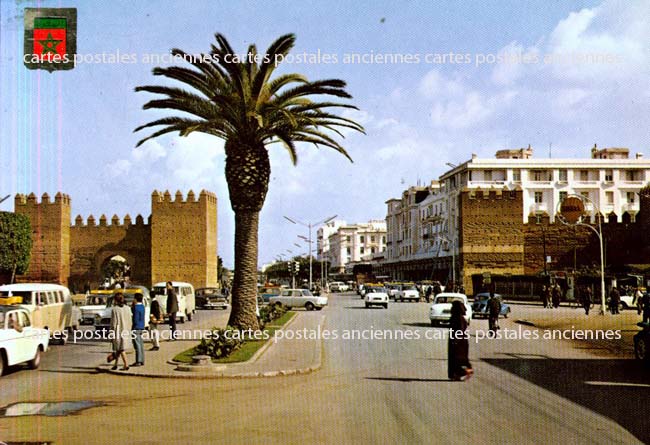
(72, 130)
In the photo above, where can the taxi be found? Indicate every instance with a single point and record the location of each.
(20, 342)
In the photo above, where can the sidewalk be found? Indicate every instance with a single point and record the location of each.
(575, 319)
(284, 357)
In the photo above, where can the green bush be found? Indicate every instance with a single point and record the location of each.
(221, 344)
(272, 312)
(15, 243)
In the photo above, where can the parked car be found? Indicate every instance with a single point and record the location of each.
(293, 298)
(407, 292)
(440, 310)
(20, 341)
(392, 289)
(94, 305)
(210, 298)
(268, 292)
(480, 306)
(103, 320)
(642, 343)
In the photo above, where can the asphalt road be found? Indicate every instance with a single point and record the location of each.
(368, 391)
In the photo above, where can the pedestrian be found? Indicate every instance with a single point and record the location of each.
(494, 309)
(427, 293)
(155, 318)
(437, 289)
(555, 296)
(458, 365)
(614, 300)
(121, 323)
(545, 296)
(172, 308)
(645, 306)
(586, 299)
(138, 327)
(638, 295)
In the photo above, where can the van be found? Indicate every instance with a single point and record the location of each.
(50, 306)
(184, 294)
(102, 320)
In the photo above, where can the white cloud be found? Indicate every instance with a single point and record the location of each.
(149, 151)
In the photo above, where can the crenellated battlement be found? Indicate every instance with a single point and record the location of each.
(115, 221)
(166, 197)
(32, 200)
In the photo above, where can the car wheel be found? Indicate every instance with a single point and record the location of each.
(641, 349)
(367, 305)
(36, 361)
(309, 306)
(434, 323)
(385, 305)
(3, 362)
(507, 313)
(278, 304)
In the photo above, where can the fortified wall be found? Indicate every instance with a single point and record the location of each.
(178, 242)
(493, 238)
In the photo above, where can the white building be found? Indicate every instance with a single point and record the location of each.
(424, 222)
(349, 243)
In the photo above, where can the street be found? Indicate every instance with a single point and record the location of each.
(368, 391)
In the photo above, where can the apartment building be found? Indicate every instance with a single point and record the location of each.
(350, 243)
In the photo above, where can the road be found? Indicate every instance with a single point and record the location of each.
(368, 391)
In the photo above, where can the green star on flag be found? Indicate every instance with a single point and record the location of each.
(50, 38)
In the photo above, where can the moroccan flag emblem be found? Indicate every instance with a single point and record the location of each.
(50, 38)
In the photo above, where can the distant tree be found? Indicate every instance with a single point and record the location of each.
(235, 99)
(114, 269)
(15, 244)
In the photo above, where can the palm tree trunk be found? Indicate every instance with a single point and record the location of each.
(244, 290)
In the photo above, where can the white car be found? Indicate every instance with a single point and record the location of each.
(20, 342)
(95, 305)
(440, 311)
(299, 298)
(103, 320)
(376, 296)
(339, 286)
(407, 292)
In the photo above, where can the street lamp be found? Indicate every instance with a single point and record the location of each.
(453, 256)
(570, 213)
(309, 226)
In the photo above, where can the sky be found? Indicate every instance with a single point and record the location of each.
(473, 77)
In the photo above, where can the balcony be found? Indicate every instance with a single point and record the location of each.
(486, 184)
(630, 207)
(587, 184)
(540, 207)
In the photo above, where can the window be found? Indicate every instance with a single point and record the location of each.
(630, 197)
(540, 175)
(584, 175)
(383, 239)
(609, 175)
(538, 218)
(516, 175)
(347, 238)
(362, 239)
(348, 251)
(372, 239)
(563, 196)
(609, 198)
(361, 251)
(563, 175)
(539, 197)
(372, 250)
(487, 175)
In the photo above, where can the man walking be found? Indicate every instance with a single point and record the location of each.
(172, 308)
(555, 296)
(138, 327)
(645, 305)
(494, 307)
(614, 300)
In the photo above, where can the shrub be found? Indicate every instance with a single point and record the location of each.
(221, 344)
(272, 312)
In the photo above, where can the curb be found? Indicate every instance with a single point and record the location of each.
(525, 322)
(218, 373)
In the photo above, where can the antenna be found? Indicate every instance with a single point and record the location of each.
(550, 148)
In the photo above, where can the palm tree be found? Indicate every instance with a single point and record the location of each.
(235, 99)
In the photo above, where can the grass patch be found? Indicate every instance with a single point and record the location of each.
(247, 349)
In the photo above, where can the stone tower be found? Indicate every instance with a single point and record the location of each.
(50, 259)
(184, 238)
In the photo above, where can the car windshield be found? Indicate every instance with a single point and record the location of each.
(410, 288)
(376, 289)
(96, 300)
(128, 299)
(27, 295)
(207, 291)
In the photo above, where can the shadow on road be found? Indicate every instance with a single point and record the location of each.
(615, 388)
(420, 324)
(408, 379)
(72, 370)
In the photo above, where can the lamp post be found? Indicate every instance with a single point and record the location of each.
(309, 226)
(453, 256)
(571, 214)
